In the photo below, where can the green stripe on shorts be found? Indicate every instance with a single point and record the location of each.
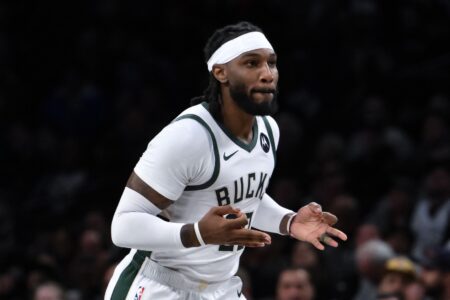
(128, 274)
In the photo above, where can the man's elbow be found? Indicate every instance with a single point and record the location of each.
(117, 235)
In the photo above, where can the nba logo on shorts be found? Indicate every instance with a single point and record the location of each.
(139, 293)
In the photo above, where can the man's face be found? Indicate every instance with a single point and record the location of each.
(294, 285)
(252, 80)
(392, 283)
(48, 292)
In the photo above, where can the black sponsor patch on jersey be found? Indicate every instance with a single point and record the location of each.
(265, 144)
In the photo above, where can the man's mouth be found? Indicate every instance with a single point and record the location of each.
(264, 91)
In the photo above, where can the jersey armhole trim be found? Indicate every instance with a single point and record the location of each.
(247, 147)
(216, 154)
(271, 139)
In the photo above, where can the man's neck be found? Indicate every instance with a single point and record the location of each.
(237, 121)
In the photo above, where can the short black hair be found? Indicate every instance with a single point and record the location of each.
(217, 39)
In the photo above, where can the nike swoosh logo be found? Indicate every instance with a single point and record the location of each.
(227, 157)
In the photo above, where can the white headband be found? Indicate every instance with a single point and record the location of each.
(235, 47)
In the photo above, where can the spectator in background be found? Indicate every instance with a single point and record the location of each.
(399, 273)
(415, 291)
(89, 264)
(346, 208)
(365, 233)
(9, 284)
(434, 144)
(435, 274)
(294, 284)
(49, 291)
(400, 241)
(330, 146)
(431, 278)
(392, 215)
(340, 263)
(393, 211)
(445, 269)
(378, 137)
(376, 148)
(371, 258)
(430, 222)
(330, 181)
(304, 257)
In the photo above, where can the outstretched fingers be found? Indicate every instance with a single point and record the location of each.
(330, 219)
(326, 239)
(316, 243)
(337, 233)
(250, 238)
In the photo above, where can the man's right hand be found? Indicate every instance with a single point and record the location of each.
(217, 230)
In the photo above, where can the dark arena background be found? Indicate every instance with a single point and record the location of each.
(364, 119)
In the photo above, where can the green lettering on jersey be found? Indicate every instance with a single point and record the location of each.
(223, 197)
(239, 187)
(249, 193)
(261, 189)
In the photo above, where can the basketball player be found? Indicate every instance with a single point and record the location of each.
(207, 173)
(294, 284)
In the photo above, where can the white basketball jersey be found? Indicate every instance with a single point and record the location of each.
(233, 173)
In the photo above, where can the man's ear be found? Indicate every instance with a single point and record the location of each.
(220, 73)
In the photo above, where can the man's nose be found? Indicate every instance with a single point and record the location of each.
(267, 73)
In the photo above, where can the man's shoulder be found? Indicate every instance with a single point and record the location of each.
(272, 127)
(190, 127)
(271, 121)
(197, 116)
(199, 110)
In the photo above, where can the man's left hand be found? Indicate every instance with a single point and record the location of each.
(313, 225)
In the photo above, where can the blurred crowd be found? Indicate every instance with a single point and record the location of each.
(364, 119)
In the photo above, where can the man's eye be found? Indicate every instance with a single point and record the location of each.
(272, 63)
(251, 63)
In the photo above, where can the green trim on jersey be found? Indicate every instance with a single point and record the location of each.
(128, 274)
(272, 141)
(216, 154)
(247, 147)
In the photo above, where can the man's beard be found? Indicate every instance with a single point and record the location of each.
(246, 103)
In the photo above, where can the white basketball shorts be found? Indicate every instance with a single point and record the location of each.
(137, 277)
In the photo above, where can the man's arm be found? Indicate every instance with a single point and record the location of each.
(135, 224)
(309, 224)
(272, 217)
(187, 233)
